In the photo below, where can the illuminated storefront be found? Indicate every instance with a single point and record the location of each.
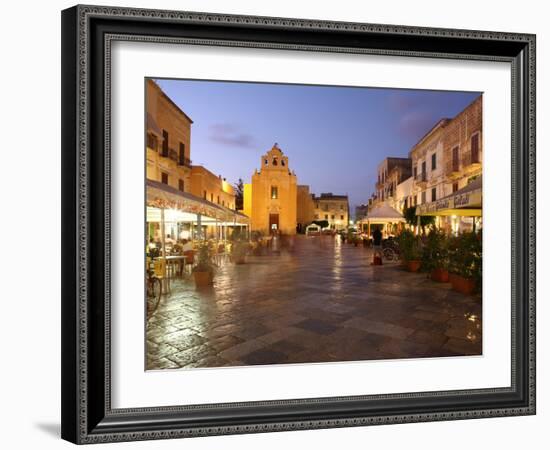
(458, 212)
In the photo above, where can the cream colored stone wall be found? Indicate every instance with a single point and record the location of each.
(336, 211)
(459, 133)
(169, 117)
(440, 141)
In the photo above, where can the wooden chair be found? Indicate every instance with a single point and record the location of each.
(160, 270)
(189, 258)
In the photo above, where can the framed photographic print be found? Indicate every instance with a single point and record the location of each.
(280, 224)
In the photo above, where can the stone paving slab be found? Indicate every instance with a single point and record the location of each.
(322, 303)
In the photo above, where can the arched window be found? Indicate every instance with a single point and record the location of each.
(265, 161)
(275, 161)
(283, 162)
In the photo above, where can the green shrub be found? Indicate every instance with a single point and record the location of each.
(409, 245)
(204, 259)
(465, 256)
(435, 251)
(322, 223)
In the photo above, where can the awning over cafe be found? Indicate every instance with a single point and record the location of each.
(185, 206)
(464, 202)
(383, 213)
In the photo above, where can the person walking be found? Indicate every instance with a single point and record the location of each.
(377, 246)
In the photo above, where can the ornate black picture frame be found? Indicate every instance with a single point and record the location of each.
(87, 35)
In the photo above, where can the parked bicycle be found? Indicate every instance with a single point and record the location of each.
(390, 250)
(154, 292)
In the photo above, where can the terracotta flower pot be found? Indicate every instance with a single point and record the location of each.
(376, 261)
(203, 279)
(461, 284)
(413, 266)
(440, 275)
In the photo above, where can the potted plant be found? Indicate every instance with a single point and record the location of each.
(258, 243)
(465, 259)
(352, 238)
(435, 256)
(239, 247)
(203, 272)
(410, 249)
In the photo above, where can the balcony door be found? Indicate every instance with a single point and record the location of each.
(474, 148)
(164, 143)
(455, 159)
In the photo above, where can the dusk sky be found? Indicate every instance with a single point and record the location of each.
(334, 137)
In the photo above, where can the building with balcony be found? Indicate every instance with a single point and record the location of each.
(445, 161)
(391, 172)
(361, 211)
(463, 149)
(428, 172)
(168, 140)
(183, 201)
(332, 208)
(403, 195)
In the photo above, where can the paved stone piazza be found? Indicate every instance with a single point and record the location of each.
(322, 303)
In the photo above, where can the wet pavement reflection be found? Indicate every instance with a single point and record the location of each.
(322, 303)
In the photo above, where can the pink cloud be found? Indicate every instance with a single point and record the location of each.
(415, 123)
(231, 136)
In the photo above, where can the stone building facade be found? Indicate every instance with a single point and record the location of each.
(271, 200)
(168, 140)
(463, 149)
(361, 211)
(304, 208)
(332, 208)
(428, 166)
(214, 188)
(391, 172)
(449, 156)
(447, 159)
(403, 195)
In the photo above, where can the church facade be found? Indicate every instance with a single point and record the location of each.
(270, 199)
(275, 203)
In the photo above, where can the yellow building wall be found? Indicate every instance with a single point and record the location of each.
(258, 204)
(247, 199)
(204, 184)
(304, 206)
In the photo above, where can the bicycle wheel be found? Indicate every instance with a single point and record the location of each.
(388, 254)
(153, 297)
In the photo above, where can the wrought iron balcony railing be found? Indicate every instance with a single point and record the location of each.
(184, 162)
(421, 177)
(471, 158)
